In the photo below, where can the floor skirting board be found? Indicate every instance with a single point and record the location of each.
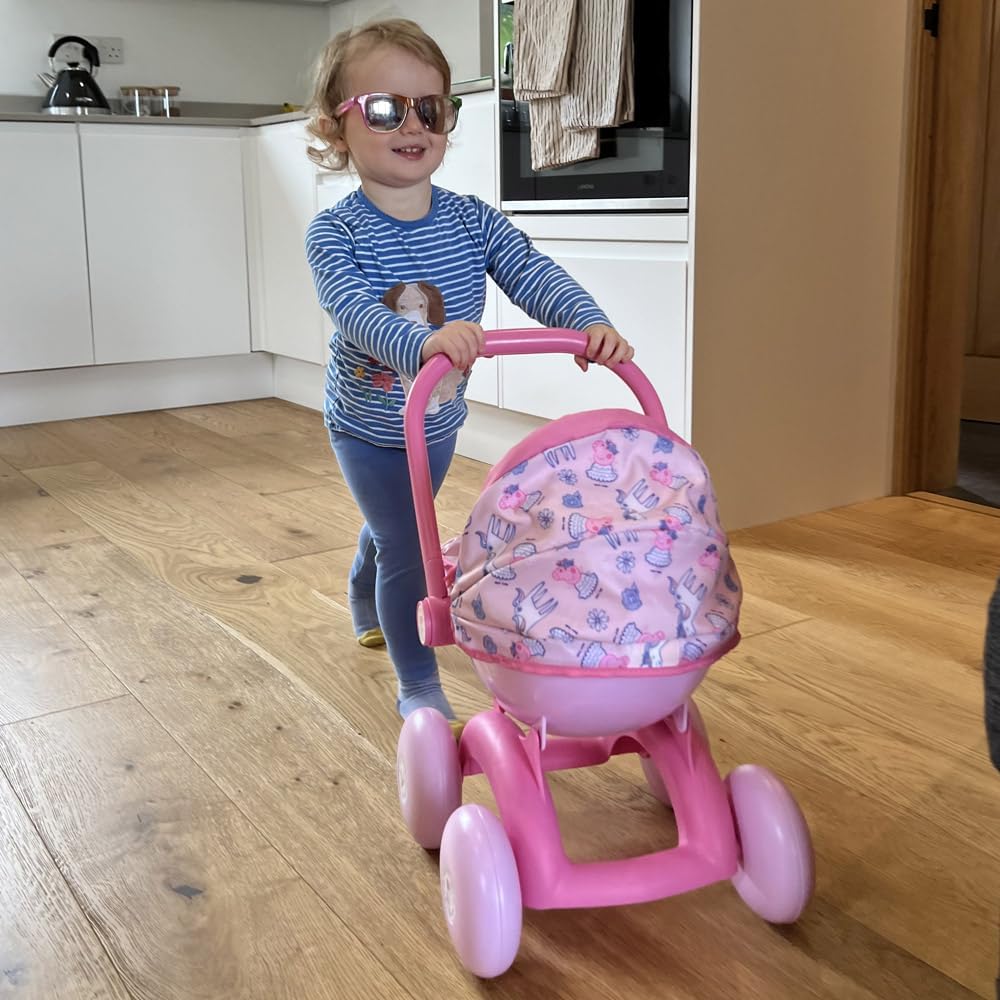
(98, 390)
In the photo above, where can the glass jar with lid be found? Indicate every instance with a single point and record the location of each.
(163, 101)
(136, 101)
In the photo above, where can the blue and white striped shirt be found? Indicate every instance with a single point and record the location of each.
(358, 253)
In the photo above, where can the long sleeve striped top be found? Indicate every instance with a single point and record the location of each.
(387, 284)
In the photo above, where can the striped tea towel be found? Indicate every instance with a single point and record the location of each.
(555, 146)
(601, 86)
(544, 33)
(543, 47)
(574, 64)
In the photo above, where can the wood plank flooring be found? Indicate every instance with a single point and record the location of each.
(197, 796)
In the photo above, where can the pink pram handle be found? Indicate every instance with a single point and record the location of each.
(433, 615)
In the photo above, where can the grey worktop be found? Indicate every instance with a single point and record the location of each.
(21, 108)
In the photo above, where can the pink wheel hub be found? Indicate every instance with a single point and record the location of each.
(434, 622)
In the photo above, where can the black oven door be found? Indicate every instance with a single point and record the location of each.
(643, 165)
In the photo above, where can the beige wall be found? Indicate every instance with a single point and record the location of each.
(797, 228)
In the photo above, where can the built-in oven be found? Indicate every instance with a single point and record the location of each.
(642, 165)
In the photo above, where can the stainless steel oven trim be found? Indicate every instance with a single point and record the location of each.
(597, 205)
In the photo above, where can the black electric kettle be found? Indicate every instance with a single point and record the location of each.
(75, 91)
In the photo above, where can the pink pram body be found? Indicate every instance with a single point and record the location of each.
(592, 588)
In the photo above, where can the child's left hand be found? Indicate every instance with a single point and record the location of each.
(605, 346)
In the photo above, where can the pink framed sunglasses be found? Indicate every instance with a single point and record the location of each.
(386, 112)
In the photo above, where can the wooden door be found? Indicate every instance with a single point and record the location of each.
(981, 385)
(943, 227)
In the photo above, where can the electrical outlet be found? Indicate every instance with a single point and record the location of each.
(111, 51)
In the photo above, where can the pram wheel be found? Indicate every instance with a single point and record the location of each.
(428, 775)
(480, 891)
(776, 873)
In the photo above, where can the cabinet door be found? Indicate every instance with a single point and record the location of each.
(470, 163)
(166, 233)
(44, 298)
(288, 320)
(643, 289)
(331, 187)
(470, 167)
(484, 383)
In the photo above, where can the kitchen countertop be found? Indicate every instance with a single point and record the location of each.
(25, 108)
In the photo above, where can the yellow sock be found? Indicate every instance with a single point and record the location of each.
(372, 639)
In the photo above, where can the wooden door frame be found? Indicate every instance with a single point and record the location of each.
(946, 113)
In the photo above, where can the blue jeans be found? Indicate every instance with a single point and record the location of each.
(387, 579)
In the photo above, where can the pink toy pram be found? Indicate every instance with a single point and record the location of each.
(592, 589)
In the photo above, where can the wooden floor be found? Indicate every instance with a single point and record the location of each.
(197, 798)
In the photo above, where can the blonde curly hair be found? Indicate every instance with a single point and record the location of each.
(329, 89)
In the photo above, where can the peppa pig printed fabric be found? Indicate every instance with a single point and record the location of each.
(596, 546)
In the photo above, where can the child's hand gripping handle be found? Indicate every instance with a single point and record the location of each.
(433, 613)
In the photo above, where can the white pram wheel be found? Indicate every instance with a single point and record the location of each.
(428, 775)
(776, 873)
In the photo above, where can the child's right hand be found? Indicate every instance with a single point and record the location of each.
(461, 341)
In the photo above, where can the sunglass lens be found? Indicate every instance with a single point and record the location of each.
(438, 113)
(384, 113)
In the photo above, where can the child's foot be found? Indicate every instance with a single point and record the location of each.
(424, 694)
(372, 638)
(364, 618)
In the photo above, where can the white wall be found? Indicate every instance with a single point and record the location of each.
(453, 25)
(216, 50)
(797, 241)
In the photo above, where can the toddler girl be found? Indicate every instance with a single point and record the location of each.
(382, 104)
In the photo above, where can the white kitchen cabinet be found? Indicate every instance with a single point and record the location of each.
(329, 187)
(470, 167)
(167, 242)
(287, 317)
(470, 163)
(44, 296)
(332, 186)
(484, 383)
(643, 289)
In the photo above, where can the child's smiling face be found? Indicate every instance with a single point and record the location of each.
(405, 158)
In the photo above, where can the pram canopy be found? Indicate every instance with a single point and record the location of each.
(596, 548)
